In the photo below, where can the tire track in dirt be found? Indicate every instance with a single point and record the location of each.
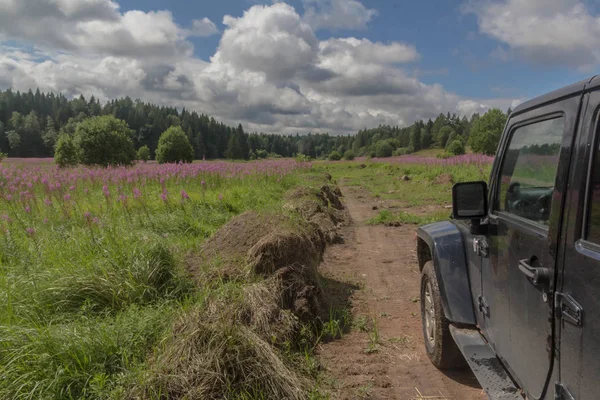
(391, 364)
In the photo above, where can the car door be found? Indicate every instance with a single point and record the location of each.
(578, 297)
(526, 197)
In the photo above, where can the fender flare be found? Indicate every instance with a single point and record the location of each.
(443, 243)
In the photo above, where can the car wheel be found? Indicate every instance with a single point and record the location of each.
(439, 344)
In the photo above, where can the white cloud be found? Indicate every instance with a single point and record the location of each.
(97, 26)
(560, 32)
(269, 72)
(203, 27)
(337, 14)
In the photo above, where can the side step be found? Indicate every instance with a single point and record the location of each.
(485, 365)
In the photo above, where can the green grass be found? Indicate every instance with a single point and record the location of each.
(420, 200)
(386, 217)
(90, 286)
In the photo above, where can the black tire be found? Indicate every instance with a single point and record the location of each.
(439, 344)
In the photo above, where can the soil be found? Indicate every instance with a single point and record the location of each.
(381, 263)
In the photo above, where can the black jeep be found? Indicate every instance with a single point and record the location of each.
(512, 283)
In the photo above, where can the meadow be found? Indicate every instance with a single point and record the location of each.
(92, 265)
(97, 300)
(426, 194)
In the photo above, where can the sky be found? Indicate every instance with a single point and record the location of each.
(303, 66)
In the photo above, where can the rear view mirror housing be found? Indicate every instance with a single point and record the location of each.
(469, 201)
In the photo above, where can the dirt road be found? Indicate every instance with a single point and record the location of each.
(383, 357)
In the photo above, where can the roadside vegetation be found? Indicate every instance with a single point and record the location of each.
(163, 281)
(409, 190)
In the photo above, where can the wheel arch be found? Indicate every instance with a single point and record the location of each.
(443, 244)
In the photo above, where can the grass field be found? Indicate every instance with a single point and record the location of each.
(421, 199)
(106, 293)
(92, 270)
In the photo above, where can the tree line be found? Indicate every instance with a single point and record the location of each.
(31, 123)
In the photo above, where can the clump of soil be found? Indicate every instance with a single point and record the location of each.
(444, 179)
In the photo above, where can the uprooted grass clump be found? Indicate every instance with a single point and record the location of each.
(250, 335)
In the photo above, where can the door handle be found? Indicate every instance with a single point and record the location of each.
(537, 275)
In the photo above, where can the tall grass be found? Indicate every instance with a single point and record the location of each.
(91, 265)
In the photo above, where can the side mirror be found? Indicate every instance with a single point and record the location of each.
(469, 200)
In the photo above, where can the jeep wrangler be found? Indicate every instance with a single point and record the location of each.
(511, 284)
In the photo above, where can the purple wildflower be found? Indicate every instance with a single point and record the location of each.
(30, 231)
(67, 197)
(184, 195)
(220, 196)
(47, 202)
(27, 209)
(106, 191)
(136, 193)
(87, 215)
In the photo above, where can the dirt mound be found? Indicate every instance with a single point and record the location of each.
(444, 179)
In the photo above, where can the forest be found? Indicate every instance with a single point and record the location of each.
(31, 122)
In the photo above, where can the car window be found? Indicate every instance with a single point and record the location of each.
(593, 230)
(529, 170)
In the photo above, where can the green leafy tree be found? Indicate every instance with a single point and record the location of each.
(383, 149)
(234, 148)
(174, 146)
(14, 141)
(456, 148)
(49, 137)
(486, 132)
(335, 156)
(349, 155)
(104, 141)
(443, 135)
(66, 153)
(143, 153)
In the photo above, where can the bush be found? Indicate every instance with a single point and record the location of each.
(334, 156)
(262, 153)
(174, 146)
(104, 141)
(251, 155)
(383, 149)
(303, 158)
(456, 148)
(349, 155)
(2, 156)
(402, 151)
(66, 153)
(143, 153)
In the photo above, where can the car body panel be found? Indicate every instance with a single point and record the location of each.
(446, 244)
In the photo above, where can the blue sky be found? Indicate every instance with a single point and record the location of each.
(452, 50)
(302, 65)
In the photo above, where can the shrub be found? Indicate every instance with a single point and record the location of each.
(143, 153)
(402, 151)
(2, 156)
(334, 156)
(252, 155)
(174, 146)
(383, 149)
(456, 148)
(303, 158)
(349, 155)
(66, 153)
(104, 141)
(261, 153)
